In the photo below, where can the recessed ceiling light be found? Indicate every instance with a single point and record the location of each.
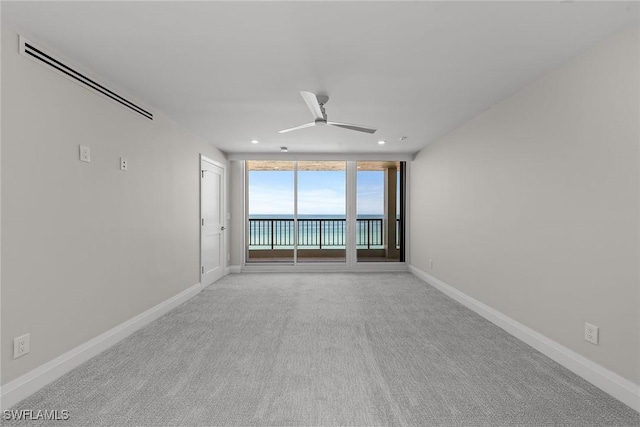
(254, 141)
(382, 142)
(283, 149)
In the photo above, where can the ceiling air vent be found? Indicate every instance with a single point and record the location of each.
(30, 50)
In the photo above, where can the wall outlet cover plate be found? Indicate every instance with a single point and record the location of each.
(21, 345)
(591, 333)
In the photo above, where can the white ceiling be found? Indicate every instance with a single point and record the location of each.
(232, 71)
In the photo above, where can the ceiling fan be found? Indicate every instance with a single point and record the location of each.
(316, 105)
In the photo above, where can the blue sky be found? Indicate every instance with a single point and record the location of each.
(319, 192)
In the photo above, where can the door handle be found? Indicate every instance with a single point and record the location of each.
(223, 228)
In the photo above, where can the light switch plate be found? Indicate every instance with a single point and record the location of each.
(124, 164)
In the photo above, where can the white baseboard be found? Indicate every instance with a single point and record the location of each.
(24, 386)
(234, 269)
(622, 389)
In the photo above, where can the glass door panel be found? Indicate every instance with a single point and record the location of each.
(321, 211)
(379, 211)
(270, 207)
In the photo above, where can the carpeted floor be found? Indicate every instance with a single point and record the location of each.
(325, 349)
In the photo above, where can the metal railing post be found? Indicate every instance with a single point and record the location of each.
(272, 235)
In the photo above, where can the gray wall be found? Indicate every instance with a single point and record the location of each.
(85, 245)
(532, 207)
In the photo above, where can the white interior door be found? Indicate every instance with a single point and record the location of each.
(212, 220)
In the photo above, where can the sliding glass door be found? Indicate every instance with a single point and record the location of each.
(271, 210)
(322, 211)
(380, 211)
(298, 211)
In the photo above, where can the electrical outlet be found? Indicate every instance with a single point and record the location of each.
(123, 164)
(430, 263)
(591, 333)
(85, 154)
(21, 346)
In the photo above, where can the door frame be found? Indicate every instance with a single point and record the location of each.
(351, 264)
(223, 197)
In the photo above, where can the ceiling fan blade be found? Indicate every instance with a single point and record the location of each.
(312, 102)
(354, 127)
(308, 125)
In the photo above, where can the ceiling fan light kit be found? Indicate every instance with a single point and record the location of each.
(316, 103)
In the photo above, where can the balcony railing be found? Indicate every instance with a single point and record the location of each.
(320, 233)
